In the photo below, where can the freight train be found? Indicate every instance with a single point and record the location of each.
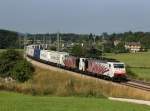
(90, 66)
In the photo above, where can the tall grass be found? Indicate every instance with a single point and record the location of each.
(46, 82)
(63, 84)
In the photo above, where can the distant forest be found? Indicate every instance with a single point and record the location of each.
(142, 37)
(11, 39)
(8, 39)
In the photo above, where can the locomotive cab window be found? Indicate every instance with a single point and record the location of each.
(118, 65)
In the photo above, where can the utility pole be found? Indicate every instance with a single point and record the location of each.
(94, 37)
(103, 45)
(43, 43)
(90, 37)
(24, 43)
(34, 39)
(58, 45)
(42, 39)
(46, 38)
(19, 41)
(58, 42)
(50, 40)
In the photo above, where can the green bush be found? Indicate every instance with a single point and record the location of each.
(12, 64)
(7, 61)
(11, 55)
(22, 71)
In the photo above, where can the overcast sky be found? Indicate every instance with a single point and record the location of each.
(77, 16)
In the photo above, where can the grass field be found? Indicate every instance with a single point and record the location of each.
(19, 102)
(54, 83)
(142, 73)
(139, 63)
(141, 59)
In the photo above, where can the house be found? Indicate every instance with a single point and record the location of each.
(133, 46)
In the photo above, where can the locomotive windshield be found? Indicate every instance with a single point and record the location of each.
(118, 65)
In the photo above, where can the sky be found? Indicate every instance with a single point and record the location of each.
(75, 16)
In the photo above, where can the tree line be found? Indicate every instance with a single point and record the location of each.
(11, 39)
(8, 39)
(142, 37)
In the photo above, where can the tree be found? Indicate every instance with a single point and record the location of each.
(7, 61)
(120, 48)
(108, 47)
(22, 71)
(78, 50)
(90, 52)
(93, 53)
(11, 55)
(9, 39)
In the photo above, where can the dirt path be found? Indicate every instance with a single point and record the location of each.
(131, 100)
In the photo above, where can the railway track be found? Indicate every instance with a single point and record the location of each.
(141, 82)
(137, 84)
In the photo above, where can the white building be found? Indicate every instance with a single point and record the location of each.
(133, 46)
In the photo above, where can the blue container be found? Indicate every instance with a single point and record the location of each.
(37, 53)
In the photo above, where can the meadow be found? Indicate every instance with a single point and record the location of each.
(138, 63)
(19, 102)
